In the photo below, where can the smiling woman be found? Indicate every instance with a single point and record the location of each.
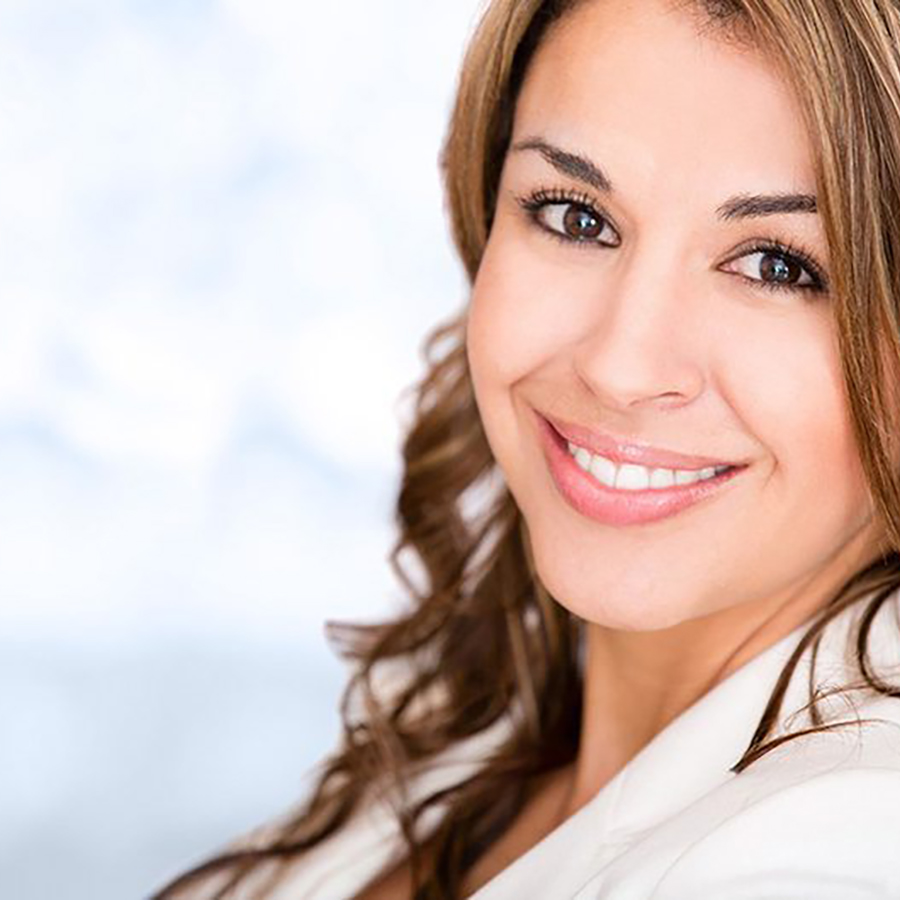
(653, 484)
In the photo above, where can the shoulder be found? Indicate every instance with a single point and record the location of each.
(820, 820)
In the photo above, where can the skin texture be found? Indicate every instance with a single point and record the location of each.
(667, 338)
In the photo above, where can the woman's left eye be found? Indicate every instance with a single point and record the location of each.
(778, 269)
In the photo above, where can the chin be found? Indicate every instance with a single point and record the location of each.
(611, 607)
(625, 618)
(632, 592)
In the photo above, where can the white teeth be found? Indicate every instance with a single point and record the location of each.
(604, 470)
(583, 458)
(632, 477)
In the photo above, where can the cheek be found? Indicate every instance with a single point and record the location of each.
(507, 340)
(787, 386)
(525, 308)
(503, 326)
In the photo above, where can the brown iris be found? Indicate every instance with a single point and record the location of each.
(779, 269)
(581, 224)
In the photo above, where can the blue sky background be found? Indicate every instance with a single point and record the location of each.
(222, 244)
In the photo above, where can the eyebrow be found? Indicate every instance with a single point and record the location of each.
(741, 206)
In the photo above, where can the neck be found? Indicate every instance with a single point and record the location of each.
(637, 683)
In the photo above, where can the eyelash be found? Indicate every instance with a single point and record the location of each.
(534, 202)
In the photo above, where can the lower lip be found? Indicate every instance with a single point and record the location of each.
(620, 507)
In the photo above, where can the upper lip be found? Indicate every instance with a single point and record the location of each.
(620, 451)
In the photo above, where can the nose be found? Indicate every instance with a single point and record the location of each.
(644, 344)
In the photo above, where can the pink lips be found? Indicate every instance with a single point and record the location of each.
(623, 507)
(641, 454)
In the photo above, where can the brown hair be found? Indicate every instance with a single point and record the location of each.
(482, 635)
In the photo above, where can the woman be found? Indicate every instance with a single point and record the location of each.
(653, 484)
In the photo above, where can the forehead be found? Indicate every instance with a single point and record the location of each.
(664, 106)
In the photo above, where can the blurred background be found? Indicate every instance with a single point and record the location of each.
(222, 243)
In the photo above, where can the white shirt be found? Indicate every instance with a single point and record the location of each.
(817, 818)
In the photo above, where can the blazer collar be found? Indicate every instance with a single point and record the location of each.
(693, 755)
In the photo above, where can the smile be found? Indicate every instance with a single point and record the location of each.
(633, 477)
(626, 493)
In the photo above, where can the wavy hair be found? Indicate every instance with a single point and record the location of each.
(482, 639)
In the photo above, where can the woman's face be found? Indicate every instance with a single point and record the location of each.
(632, 295)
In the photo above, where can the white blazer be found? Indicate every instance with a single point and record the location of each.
(817, 818)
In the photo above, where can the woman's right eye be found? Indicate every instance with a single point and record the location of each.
(573, 222)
